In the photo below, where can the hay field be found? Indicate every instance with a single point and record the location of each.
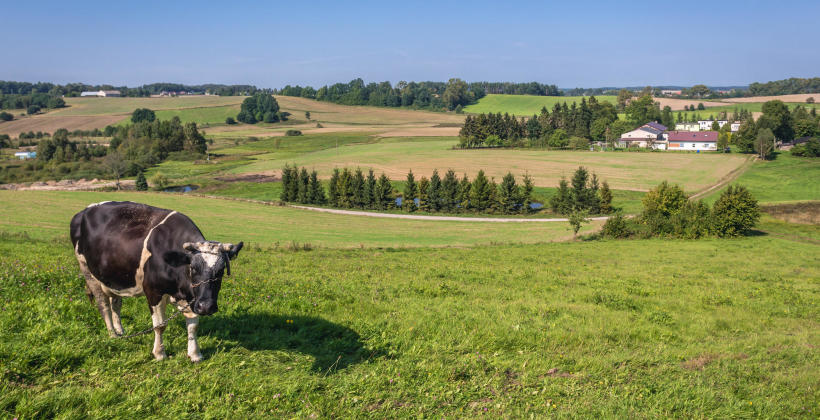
(326, 112)
(107, 106)
(525, 105)
(50, 122)
(396, 156)
(800, 97)
(678, 104)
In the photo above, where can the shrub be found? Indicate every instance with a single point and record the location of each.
(578, 143)
(141, 184)
(33, 109)
(5, 116)
(810, 148)
(143, 114)
(735, 212)
(160, 181)
(660, 204)
(616, 227)
(692, 222)
(230, 121)
(293, 133)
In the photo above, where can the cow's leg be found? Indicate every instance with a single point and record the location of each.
(191, 322)
(158, 318)
(103, 303)
(116, 306)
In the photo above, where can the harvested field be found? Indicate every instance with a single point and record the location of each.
(103, 106)
(800, 97)
(364, 115)
(52, 121)
(678, 104)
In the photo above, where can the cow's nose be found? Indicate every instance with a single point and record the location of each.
(205, 308)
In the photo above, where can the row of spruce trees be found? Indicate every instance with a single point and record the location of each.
(353, 189)
(583, 193)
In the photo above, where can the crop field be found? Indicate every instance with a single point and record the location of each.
(716, 328)
(525, 105)
(103, 106)
(395, 156)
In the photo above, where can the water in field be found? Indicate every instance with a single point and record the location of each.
(182, 188)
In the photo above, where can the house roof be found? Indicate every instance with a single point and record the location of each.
(656, 126)
(650, 130)
(706, 136)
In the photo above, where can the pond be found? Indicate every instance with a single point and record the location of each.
(182, 188)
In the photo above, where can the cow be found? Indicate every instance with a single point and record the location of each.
(129, 249)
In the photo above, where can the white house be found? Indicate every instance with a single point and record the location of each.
(102, 93)
(735, 126)
(25, 155)
(643, 137)
(705, 124)
(688, 140)
(687, 126)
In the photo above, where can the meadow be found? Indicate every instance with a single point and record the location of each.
(714, 329)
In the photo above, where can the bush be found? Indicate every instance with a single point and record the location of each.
(143, 114)
(230, 121)
(160, 181)
(659, 205)
(32, 109)
(616, 227)
(5, 116)
(293, 133)
(735, 212)
(810, 148)
(578, 143)
(692, 222)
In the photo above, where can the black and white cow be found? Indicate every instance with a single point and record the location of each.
(131, 249)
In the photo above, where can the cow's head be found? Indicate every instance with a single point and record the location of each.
(208, 262)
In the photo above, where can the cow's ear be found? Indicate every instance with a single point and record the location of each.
(189, 246)
(231, 249)
(177, 258)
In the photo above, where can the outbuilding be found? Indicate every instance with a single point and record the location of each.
(25, 155)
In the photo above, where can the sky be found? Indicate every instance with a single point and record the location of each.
(272, 44)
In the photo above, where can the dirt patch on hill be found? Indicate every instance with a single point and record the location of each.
(422, 132)
(259, 178)
(807, 213)
(799, 97)
(68, 185)
(51, 123)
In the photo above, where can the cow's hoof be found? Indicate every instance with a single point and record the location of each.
(114, 334)
(196, 357)
(160, 356)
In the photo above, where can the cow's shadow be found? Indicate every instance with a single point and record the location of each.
(332, 346)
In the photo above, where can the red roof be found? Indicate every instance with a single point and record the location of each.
(708, 136)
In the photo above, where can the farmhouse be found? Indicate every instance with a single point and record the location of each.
(25, 155)
(102, 93)
(688, 140)
(688, 126)
(735, 126)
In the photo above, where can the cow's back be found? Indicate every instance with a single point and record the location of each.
(110, 237)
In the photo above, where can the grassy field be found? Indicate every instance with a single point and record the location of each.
(716, 329)
(270, 225)
(395, 156)
(784, 179)
(106, 106)
(525, 105)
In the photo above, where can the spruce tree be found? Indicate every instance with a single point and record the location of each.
(141, 183)
(303, 187)
(561, 202)
(579, 189)
(345, 189)
(385, 193)
(370, 190)
(317, 192)
(449, 191)
(293, 185)
(410, 193)
(526, 194)
(508, 196)
(463, 197)
(434, 194)
(480, 193)
(424, 194)
(358, 187)
(285, 194)
(494, 203)
(333, 188)
(593, 201)
(606, 198)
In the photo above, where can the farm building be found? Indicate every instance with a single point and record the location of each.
(644, 136)
(25, 155)
(670, 92)
(688, 140)
(687, 126)
(735, 126)
(102, 93)
(706, 125)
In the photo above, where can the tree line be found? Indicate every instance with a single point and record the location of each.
(353, 189)
(777, 123)
(586, 194)
(31, 102)
(509, 88)
(75, 89)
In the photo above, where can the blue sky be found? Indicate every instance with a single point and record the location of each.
(270, 44)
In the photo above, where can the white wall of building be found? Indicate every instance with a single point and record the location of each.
(692, 145)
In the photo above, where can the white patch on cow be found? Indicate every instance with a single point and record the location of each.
(97, 204)
(157, 318)
(210, 259)
(140, 275)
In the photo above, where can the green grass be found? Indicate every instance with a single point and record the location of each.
(207, 115)
(715, 329)
(525, 105)
(729, 108)
(233, 221)
(785, 178)
(107, 106)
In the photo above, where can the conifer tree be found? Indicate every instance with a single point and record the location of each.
(561, 202)
(480, 194)
(285, 194)
(593, 201)
(385, 188)
(579, 188)
(494, 202)
(317, 192)
(449, 191)
(345, 189)
(526, 194)
(606, 198)
(141, 183)
(508, 196)
(333, 188)
(370, 190)
(424, 191)
(293, 185)
(410, 193)
(358, 187)
(463, 197)
(434, 193)
(303, 187)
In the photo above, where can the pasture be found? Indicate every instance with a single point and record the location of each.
(716, 328)
(395, 156)
(526, 105)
